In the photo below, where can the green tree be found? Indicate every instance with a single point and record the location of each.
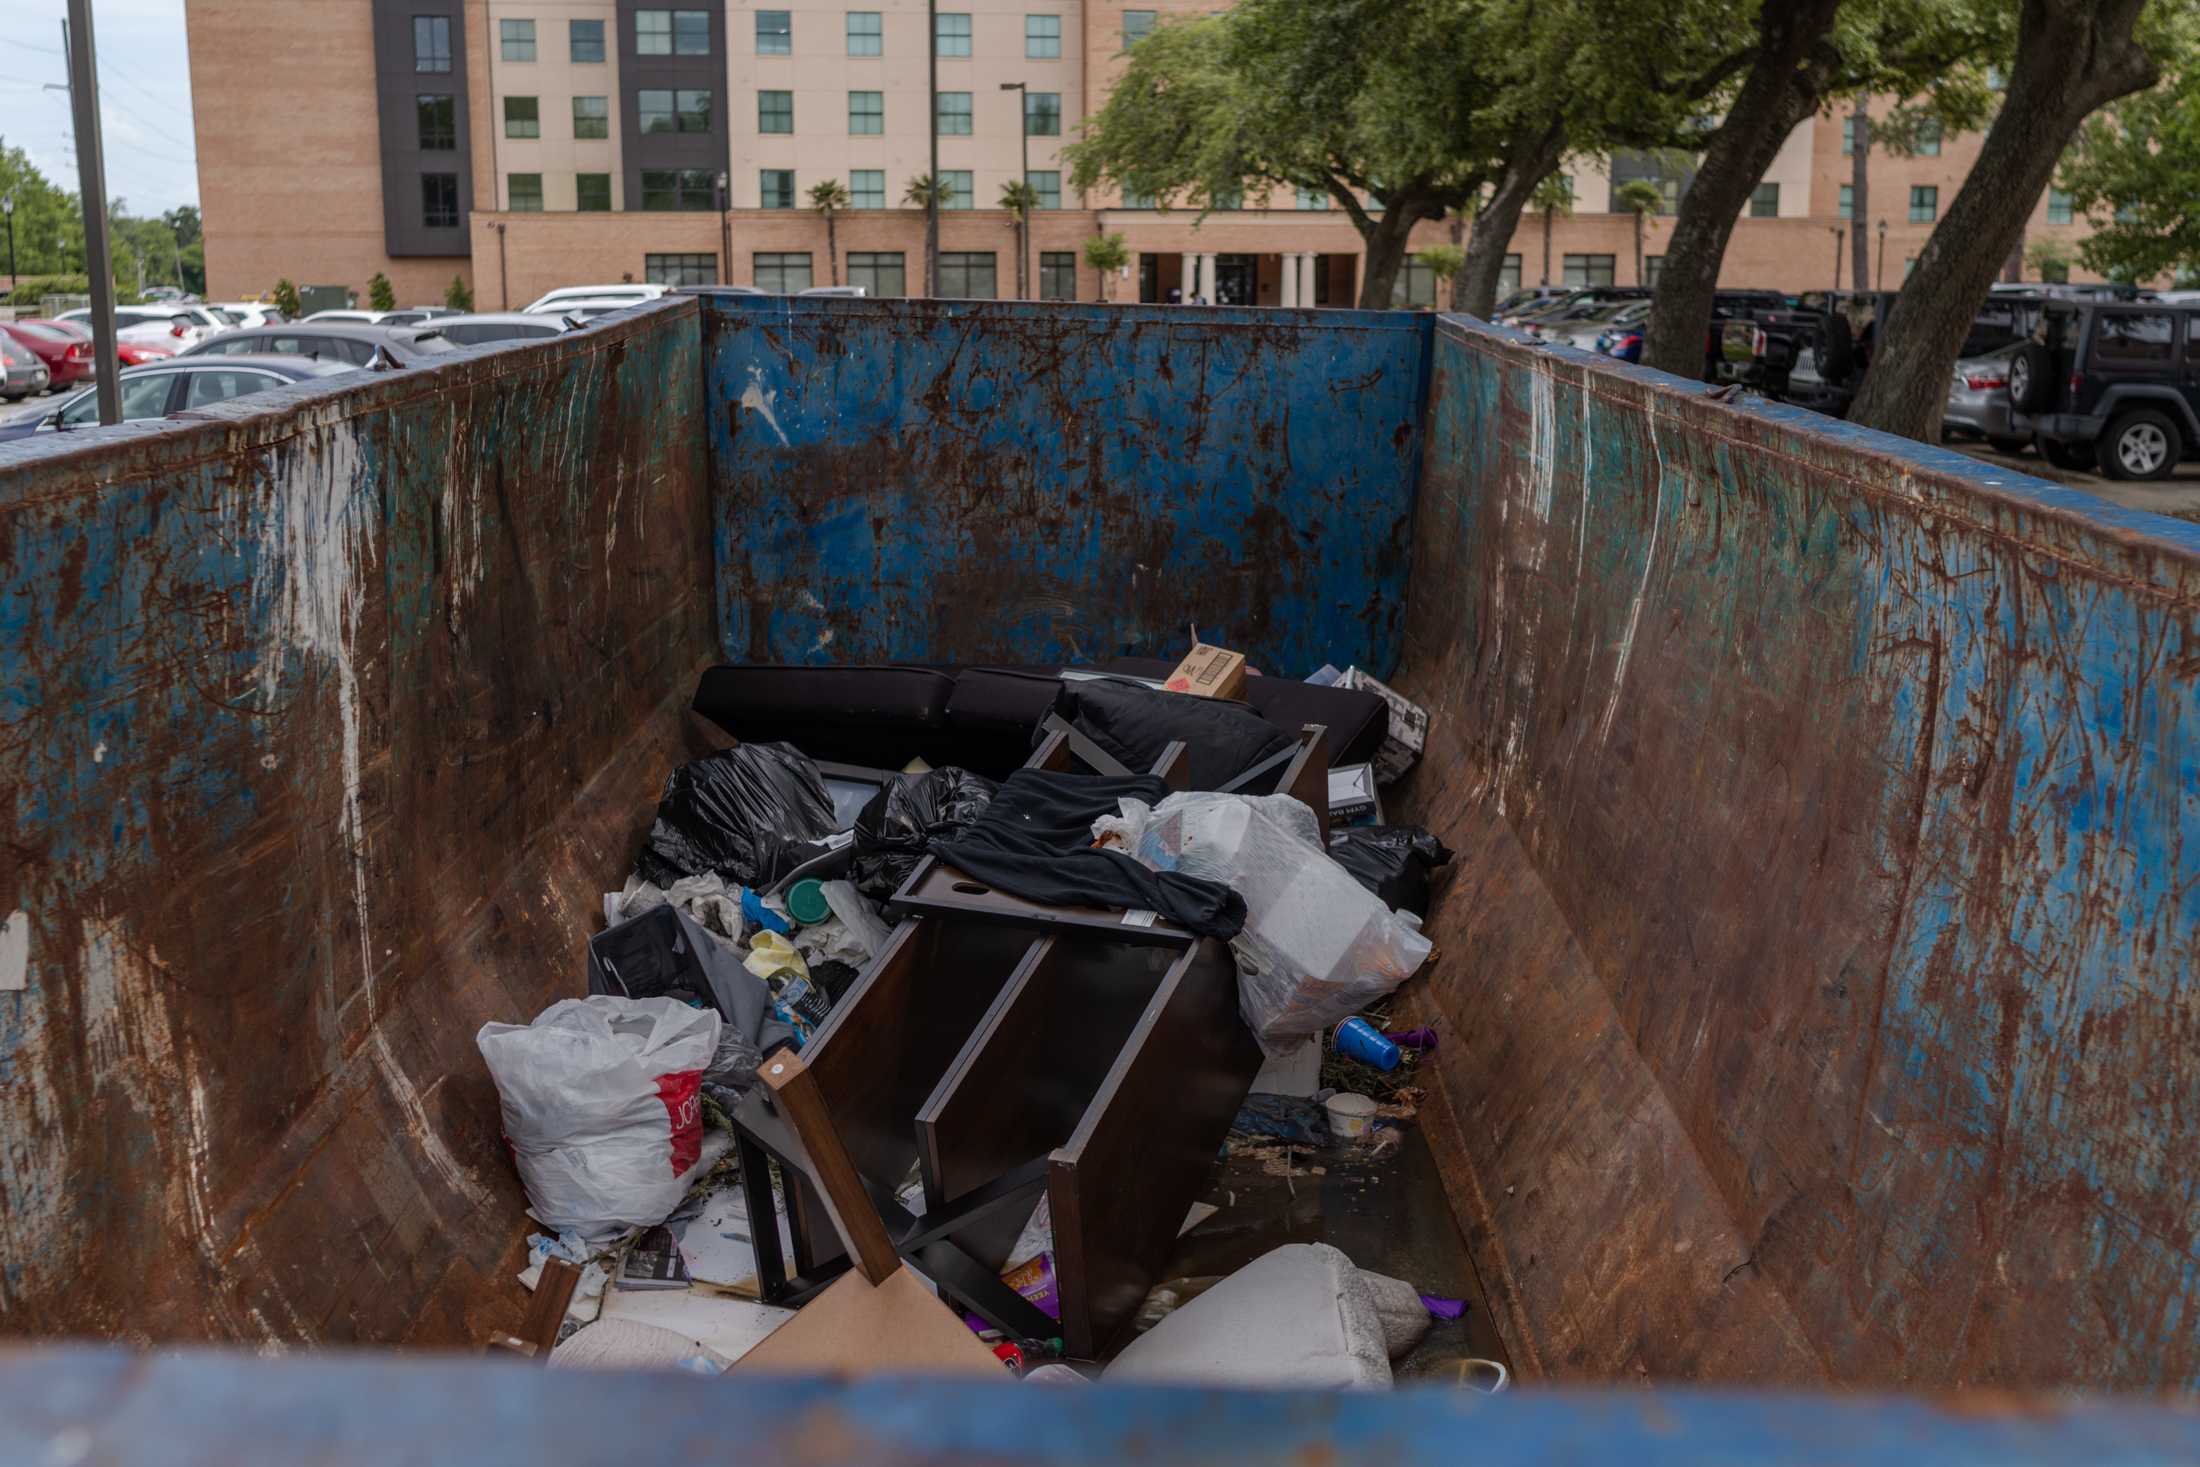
(286, 299)
(380, 296)
(2050, 259)
(2072, 58)
(1444, 262)
(928, 194)
(1640, 198)
(458, 295)
(2132, 168)
(829, 196)
(1107, 254)
(1019, 199)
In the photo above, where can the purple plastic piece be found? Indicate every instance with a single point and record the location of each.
(1421, 1038)
(1443, 1308)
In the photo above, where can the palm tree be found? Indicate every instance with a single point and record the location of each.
(1107, 253)
(1020, 198)
(928, 194)
(1641, 198)
(1444, 262)
(1554, 196)
(829, 196)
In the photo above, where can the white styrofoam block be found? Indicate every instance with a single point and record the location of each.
(1299, 1316)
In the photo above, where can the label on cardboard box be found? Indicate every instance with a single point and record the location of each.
(1209, 672)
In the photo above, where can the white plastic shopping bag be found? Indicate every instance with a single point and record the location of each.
(602, 1107)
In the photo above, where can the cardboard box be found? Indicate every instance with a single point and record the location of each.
(1209, 672)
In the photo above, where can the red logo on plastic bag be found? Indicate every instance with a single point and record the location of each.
(682, 1093)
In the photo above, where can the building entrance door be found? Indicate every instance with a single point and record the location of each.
(1237, 279)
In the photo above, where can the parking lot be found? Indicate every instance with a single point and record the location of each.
(2178, 495)
(9, 411)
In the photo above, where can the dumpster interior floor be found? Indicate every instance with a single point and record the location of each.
(1388, 1215)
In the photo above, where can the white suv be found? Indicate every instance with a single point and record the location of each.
(597, 295)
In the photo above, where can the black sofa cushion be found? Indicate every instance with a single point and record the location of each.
(1356, 721)
(876, 716)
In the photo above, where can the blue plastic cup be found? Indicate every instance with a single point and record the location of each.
(1360, 1040)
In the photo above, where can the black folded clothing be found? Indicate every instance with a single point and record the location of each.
(1135, 723)
(1035, 841)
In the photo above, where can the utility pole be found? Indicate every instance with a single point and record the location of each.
(91, 185)
(1023, 242)
(1860, 126)
(7, 207)
(1840, 239)
(932, 206)
(1879, 280)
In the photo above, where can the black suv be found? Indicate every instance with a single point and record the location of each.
(2112, 383)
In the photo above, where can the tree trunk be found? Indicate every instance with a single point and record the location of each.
(1547, 213)
(1525, 169)
(1786, 77)
(832, 246)
(2073, 56)
(1458, 283)
(1860, 167)
(1638, 247)
(1386, 236)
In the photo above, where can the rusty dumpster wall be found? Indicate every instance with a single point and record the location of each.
(1025, 482)
(322, 717)
(1819, 970)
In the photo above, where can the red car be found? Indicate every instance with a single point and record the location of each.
(68, 360)
(132, 353)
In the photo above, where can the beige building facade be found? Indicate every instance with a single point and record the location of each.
(567, 142)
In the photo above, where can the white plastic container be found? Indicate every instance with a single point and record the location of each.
(1351, 1116)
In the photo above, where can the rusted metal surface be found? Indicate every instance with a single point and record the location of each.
(1028, 482)
(1819, 973)
(225, 1409)
(323, 718)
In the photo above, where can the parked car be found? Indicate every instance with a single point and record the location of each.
(1812, 354)
(500, 326)
(169, 387)
(2109, 382)
(849, 290)
(588, 309)
(1978, 401)
(1525, 297)
(178, 327)
(336, 341)
(248, 313)
(66, 358)
(21, 372)
(1583, 332)
(627, 294)
(130, 353)
(1573, 304)
(410, 317)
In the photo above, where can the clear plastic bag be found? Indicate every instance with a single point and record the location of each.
(1317, 946)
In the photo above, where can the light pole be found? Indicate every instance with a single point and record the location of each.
(91, 184)
(7, 208)
(725, 227)
(1023, 124)
(932, 206)
(1840, 237)
(1879, 276)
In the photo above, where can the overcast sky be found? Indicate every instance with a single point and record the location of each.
(145, 97)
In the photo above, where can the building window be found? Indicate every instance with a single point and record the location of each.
(2058, 206)
(1133, 199)
(866, 114)
(785, 272)
(522, 117)
(1924, 203)
(1764, 201)
(1313, 198)
(585, 40)
(1508, 276)
(687, 189)
(685, 110)
(591, 117)
(1137, 25)
(519, 39)
(953, 35)
(1588, 270)
(879, 272)
(1057, 275)
(1848, 201)
(439, 200)
(523, 193)
(680, 269)
(431, 43)
(775, 112)
(1043, 37)
(1042, 114)
(1908, 265)
(1848, 136)
(956, 191)
(1047, 184)
(592, 193)
(867, 188)
(1928, 138)
(1415, 287)
(954, 114)
(438, 123)
(865, 37)
(967, 275)
(672, 32)
(776, 187)
(774, 33)
(1652, 267)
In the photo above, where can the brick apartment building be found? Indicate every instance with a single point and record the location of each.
(529, 144)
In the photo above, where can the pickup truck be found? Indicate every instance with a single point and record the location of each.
(1815, 968)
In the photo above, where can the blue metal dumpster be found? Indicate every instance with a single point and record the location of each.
(1819, 964)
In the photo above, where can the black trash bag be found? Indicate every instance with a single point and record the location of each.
(1135, 723)
(750, 813)
(1392, 861)
(909, 812)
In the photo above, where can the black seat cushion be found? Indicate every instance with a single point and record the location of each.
(990, 718)
(876, 716)
(1222, 739)
(1356, 721)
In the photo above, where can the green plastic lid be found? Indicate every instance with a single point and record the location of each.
(806, 903)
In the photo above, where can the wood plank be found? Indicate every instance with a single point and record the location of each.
(853, 1214)
(1120, 1186)
(937, 889)
(1306, 778)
